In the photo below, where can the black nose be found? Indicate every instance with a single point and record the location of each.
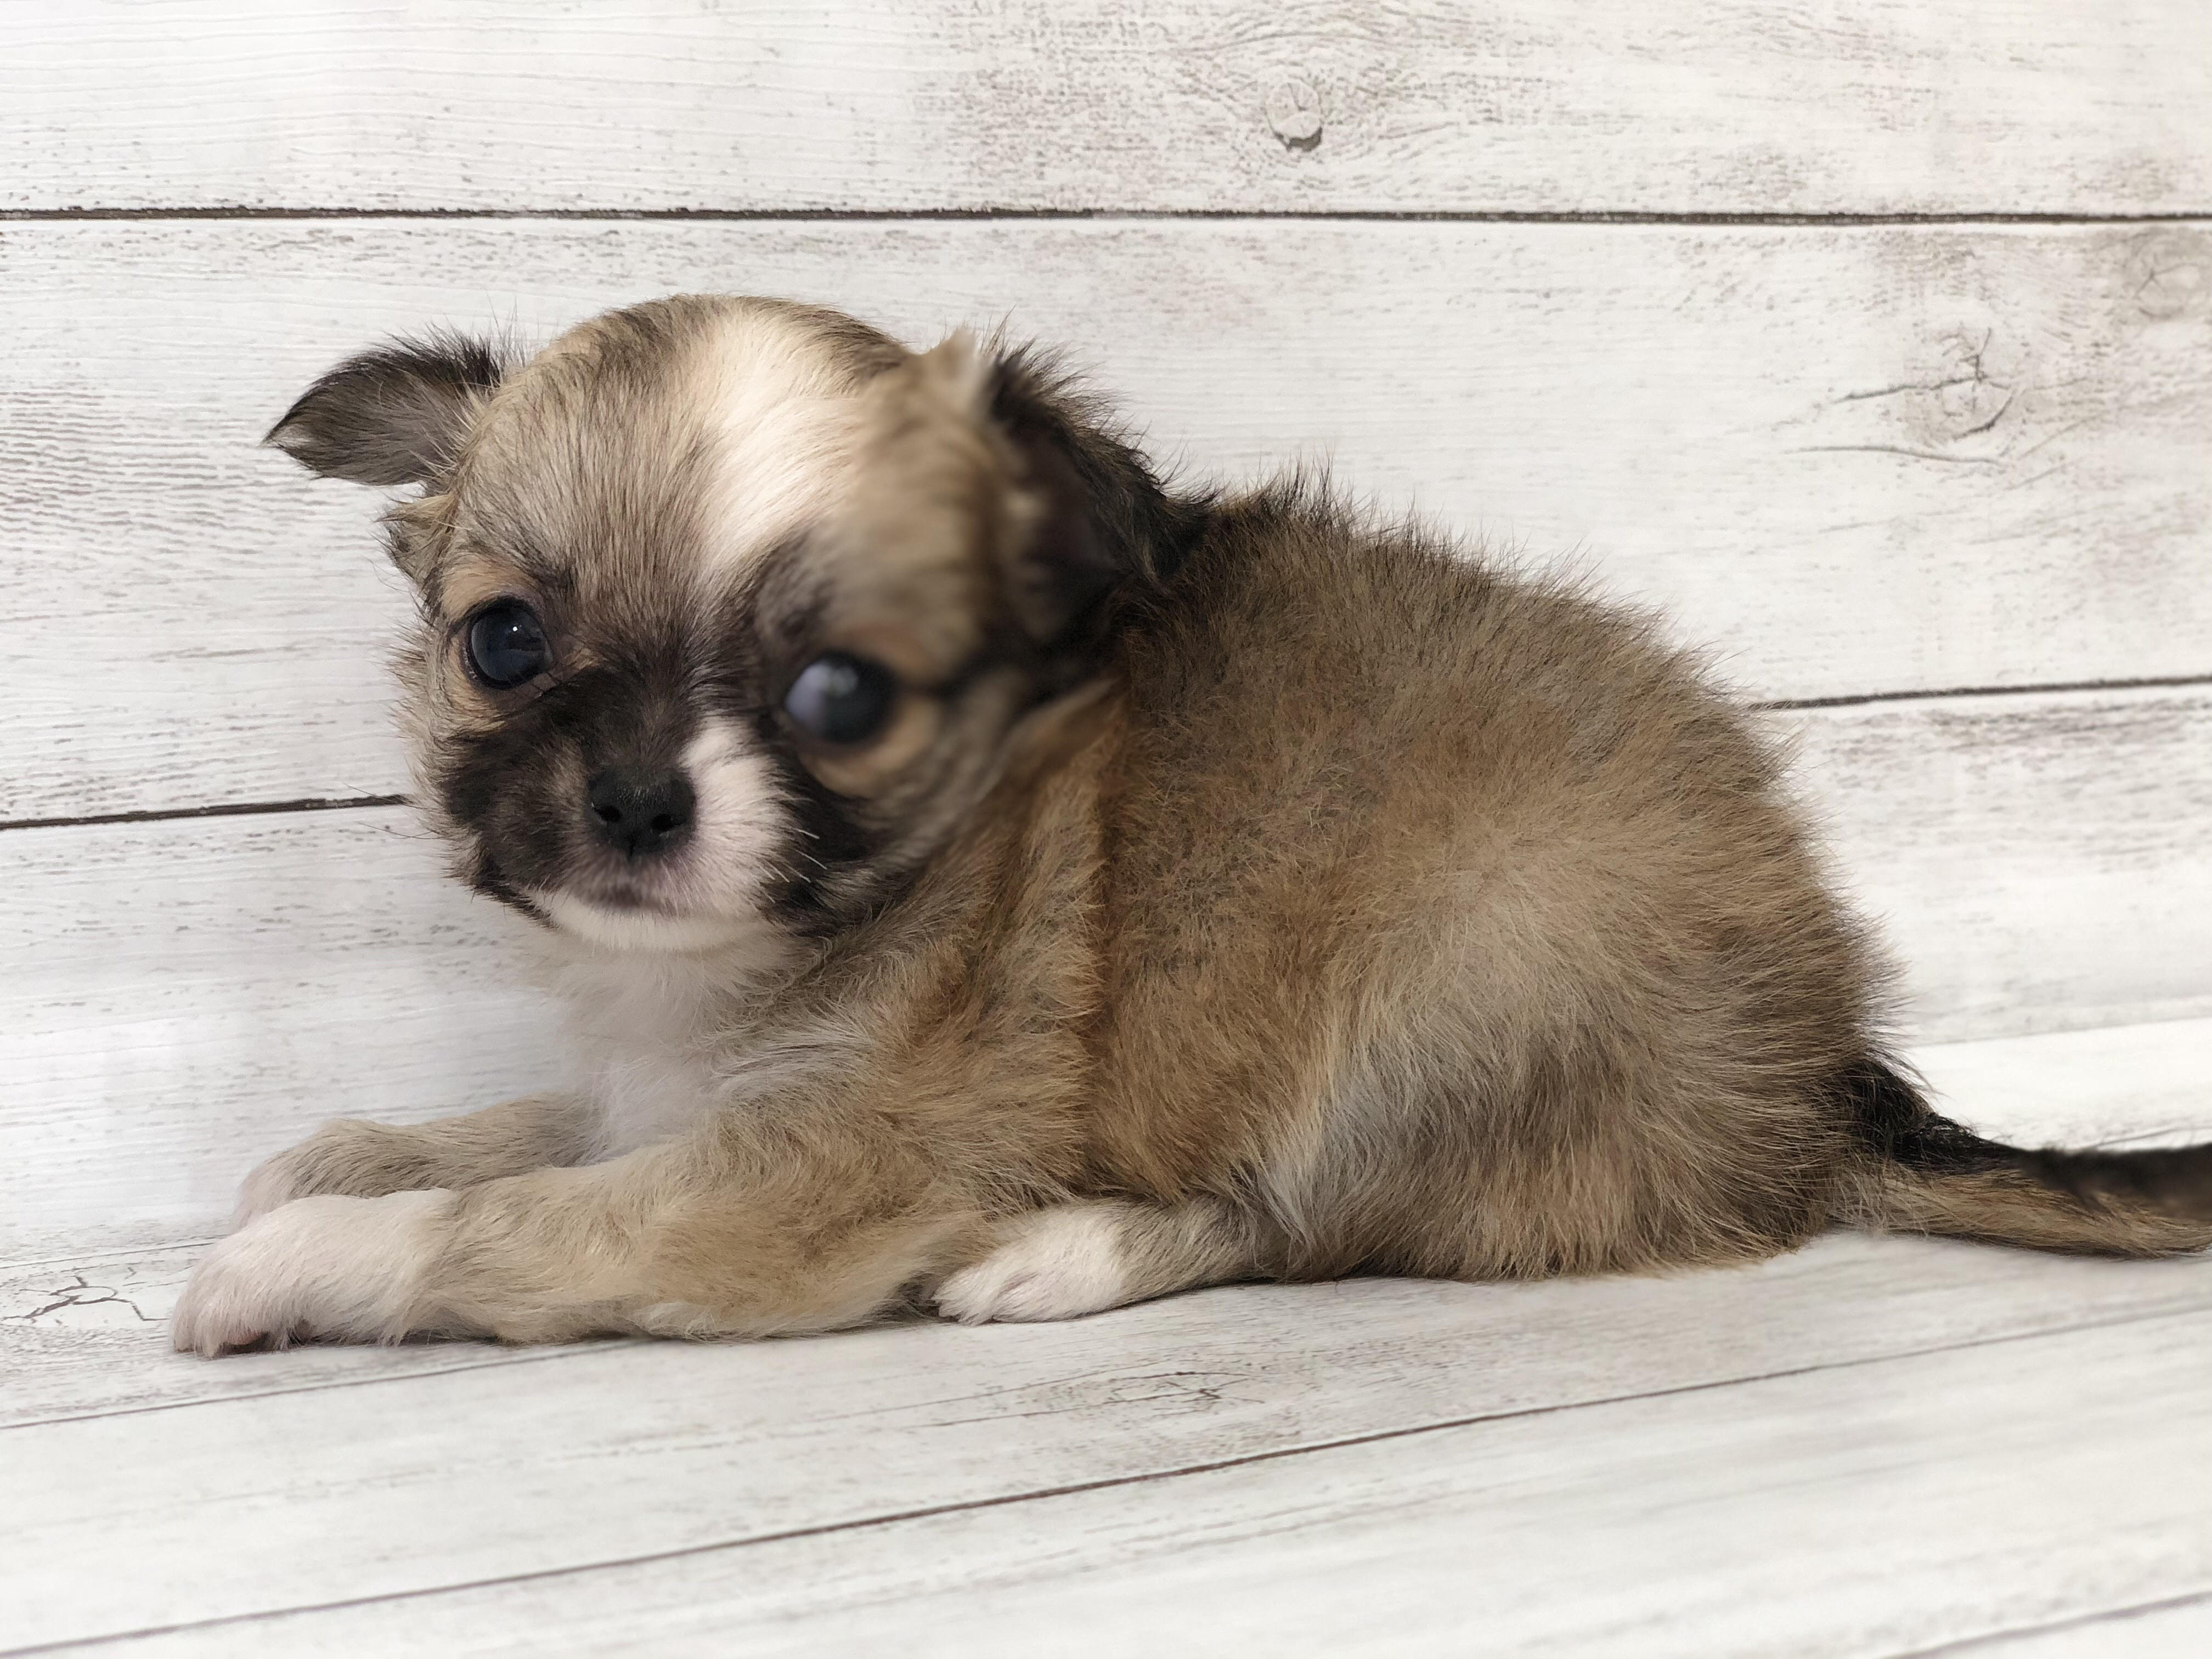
(641, 813)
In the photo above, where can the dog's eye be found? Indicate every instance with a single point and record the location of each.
(506, 645)
(840, 699)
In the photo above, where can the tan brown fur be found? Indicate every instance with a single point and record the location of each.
(1227, 889)
(1463, 901)
(361, 1159)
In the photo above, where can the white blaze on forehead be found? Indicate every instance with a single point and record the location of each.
(772, 390)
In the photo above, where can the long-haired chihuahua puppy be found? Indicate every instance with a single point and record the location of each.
(986, 877)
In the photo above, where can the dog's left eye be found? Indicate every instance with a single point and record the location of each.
(840, 699)
(507, 645)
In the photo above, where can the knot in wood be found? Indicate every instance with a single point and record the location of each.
(1294, 114)
(1970, 389)
(2168, 274)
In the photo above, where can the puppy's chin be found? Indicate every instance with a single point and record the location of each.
(658, 931)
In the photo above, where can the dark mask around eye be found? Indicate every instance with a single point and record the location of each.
(506, 645)
(840, 699)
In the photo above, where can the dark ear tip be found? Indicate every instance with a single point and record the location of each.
(393, 415)
(296, 435)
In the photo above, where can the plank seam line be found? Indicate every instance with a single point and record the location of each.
(892, 216)
(107, 1252)
(348, 802)
(501, 1362)
(2077, 1621)
(234, 810)
(1074, 1488)
(1859, 699)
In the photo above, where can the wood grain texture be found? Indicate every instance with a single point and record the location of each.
(1873, 460)
(2019, 855)
(1786, 1491)
(1871, 1512)
(1855, 459)
(2180, 1630)
(403, 1470)
(79, 1327)
(178, 1000)
(1839, 106)
(85, 1335)
(2103, 1086)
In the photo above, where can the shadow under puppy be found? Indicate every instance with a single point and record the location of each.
(985, 876)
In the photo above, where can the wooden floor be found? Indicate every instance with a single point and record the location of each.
(1878, 1446)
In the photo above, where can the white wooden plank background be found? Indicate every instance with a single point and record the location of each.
(179, 999)
(1929, 473)
(1856, 461)
(2032, 861)
(1529, 105)
(182, 998)
(1950, 1440)
(81, 1322)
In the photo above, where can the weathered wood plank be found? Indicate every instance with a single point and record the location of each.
(1841, 105)
(1869, 1506)
(2107, 1085)
(1879, 1512)
(179, 998)
(79, 1330)
(87, 1334)
(2177, 1630)
(2015, 863)
(1876, 460)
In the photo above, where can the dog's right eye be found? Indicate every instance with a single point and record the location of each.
(507, 645)
(840, 699)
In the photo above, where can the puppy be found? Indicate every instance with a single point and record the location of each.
(985, 876)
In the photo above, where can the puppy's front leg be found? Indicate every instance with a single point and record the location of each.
(726, 1233)
(354, 1158)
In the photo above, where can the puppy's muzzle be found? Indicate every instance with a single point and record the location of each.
(641, 813)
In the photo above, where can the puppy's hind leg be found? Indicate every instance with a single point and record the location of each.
(1081, 1258)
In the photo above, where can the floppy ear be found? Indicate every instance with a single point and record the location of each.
(1105, 520)
(395, 415)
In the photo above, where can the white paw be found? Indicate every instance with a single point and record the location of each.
(344, 1269)
(1055, 1264)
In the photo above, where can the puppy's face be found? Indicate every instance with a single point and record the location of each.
(729, 607)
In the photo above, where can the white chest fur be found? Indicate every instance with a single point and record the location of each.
(644, 1029)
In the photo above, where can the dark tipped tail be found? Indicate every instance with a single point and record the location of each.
(1922, 1173)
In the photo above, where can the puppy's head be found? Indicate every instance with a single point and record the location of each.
(730, 608)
